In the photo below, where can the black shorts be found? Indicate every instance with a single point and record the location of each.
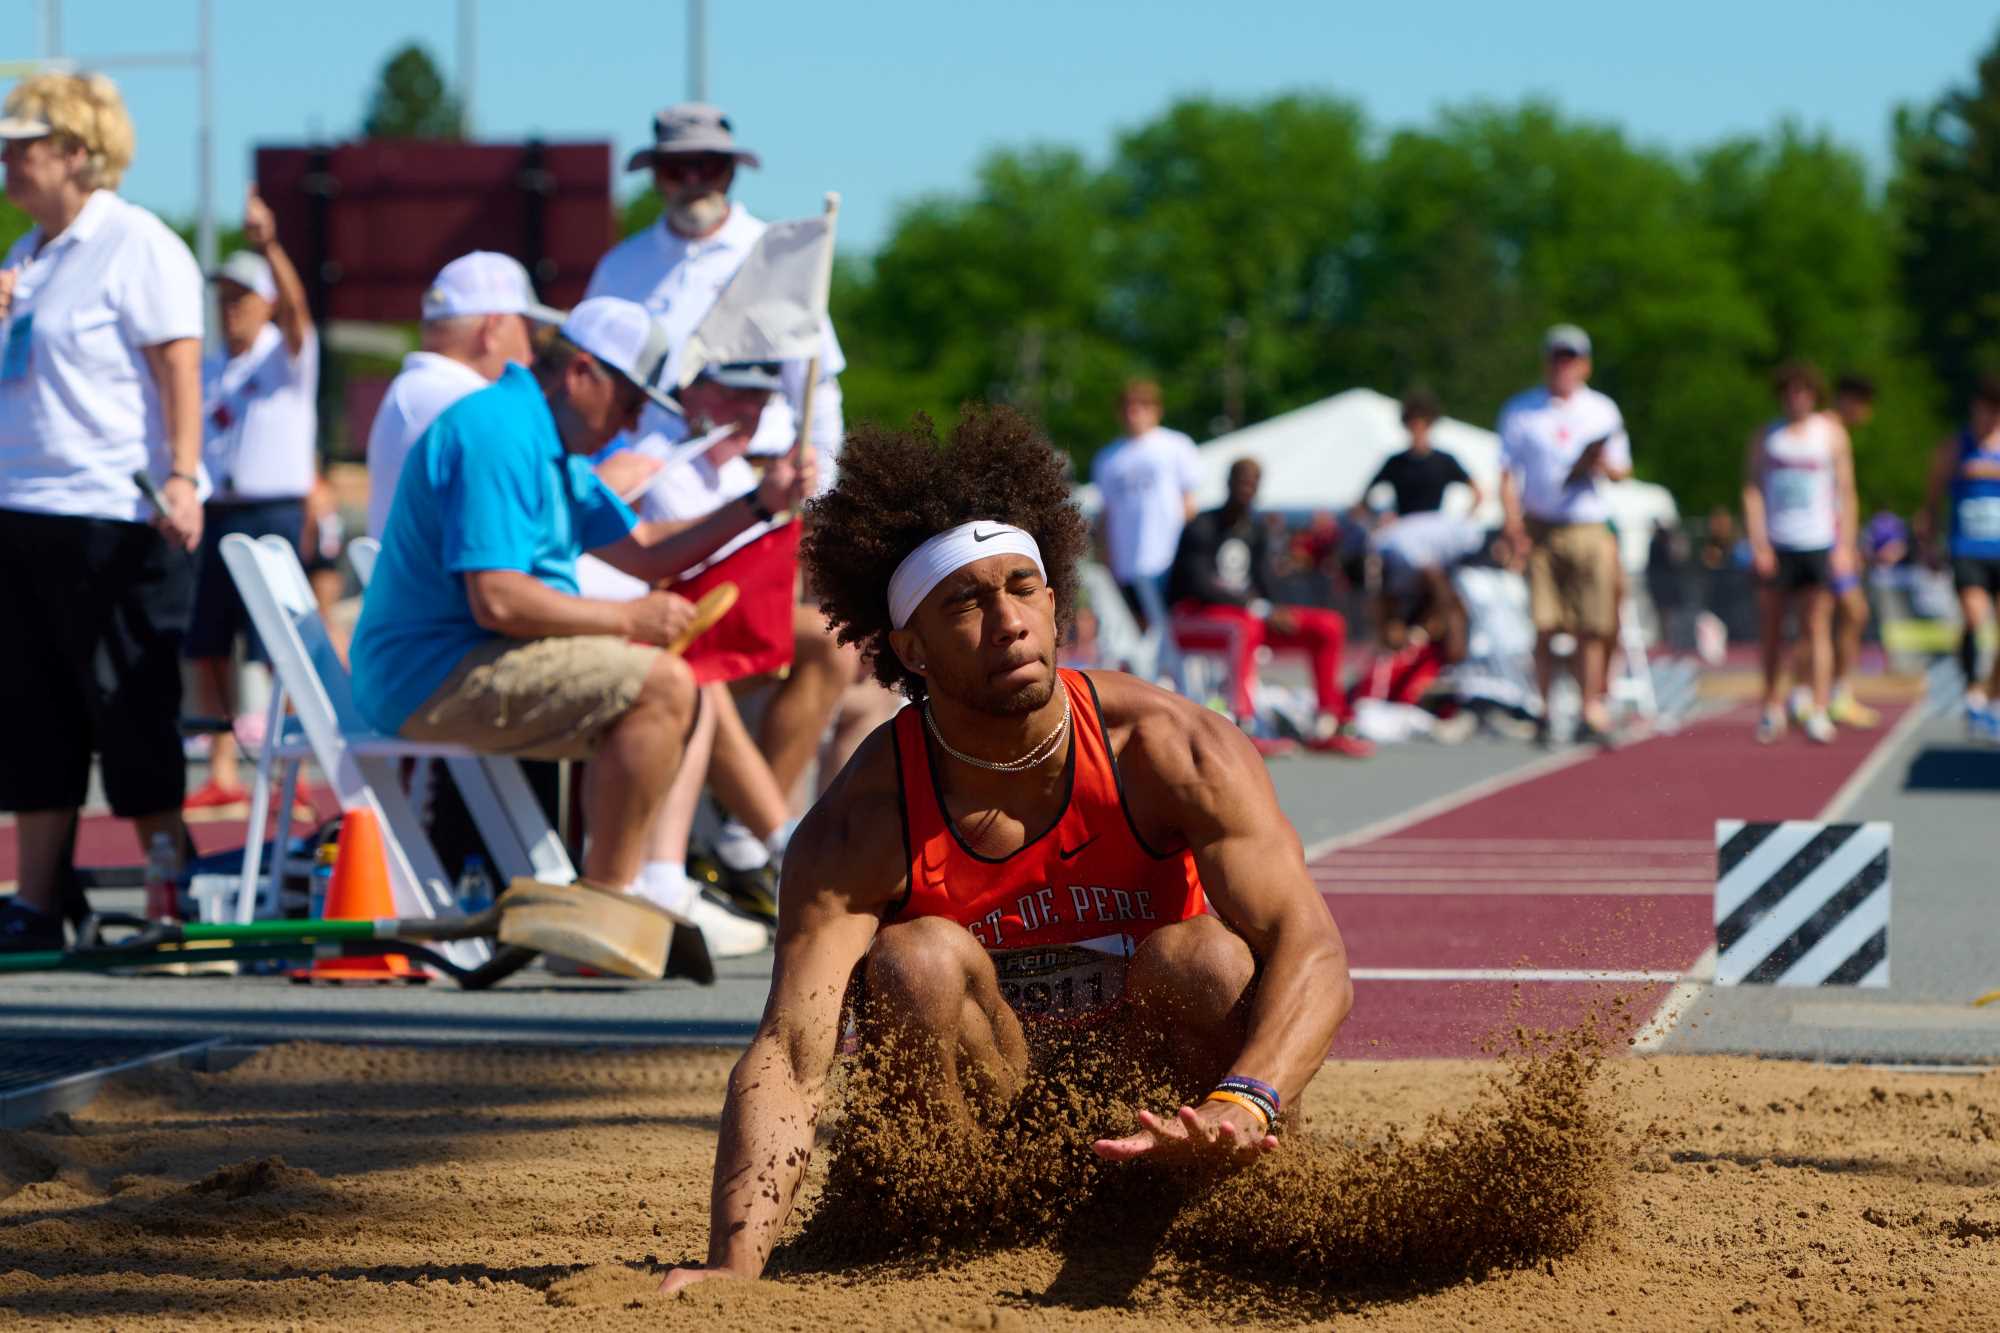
(1971, 572)
(1799, 571)
(94, 611)
(219, 615)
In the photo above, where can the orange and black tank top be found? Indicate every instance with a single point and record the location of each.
(1088, 881)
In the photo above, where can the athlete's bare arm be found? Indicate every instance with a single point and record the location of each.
(1193, 780)
(1944, 462)
(1846, 503)
(1755, 528)
(843, 867)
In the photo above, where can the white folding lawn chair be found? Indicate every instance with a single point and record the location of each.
(1631, 667)
(323, 725)
(362, 553)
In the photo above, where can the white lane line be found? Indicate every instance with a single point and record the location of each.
(1440, 805)
(1654, 1033)
(1686, 889)
(1878, 759)
(1445, 869)
(1577, 846)
(1557, 974)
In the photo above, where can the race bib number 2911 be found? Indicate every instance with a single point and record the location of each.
(1066, 980)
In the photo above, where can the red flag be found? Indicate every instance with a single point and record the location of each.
(756, 636)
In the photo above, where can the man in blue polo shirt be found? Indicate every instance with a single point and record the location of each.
(472, 632)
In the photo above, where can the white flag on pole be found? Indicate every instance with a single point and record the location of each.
(774, 309)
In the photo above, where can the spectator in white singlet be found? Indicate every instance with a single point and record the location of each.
(1798, 505)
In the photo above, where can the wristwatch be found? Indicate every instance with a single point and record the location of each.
(757, 508)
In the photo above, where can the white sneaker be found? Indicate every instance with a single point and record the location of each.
(726, 934)
(1819, 729)
(1799, 705)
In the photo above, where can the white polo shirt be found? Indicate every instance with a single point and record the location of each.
(260, 419)
(679, 281)
(1542, 436)
(427, 384)
(1145, 482)
(79, 409)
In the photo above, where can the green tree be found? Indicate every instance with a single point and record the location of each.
(1258, 256)
(412, 101)
(1816, 250)
(1235, 225)
(14, 224)
(1496, 222)
(1000, 296)
(1946, 193)
(639, 212)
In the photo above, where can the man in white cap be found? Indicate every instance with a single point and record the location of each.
(1559, 443)
(677, 268)
(260, 437)
(473, 631)
(476, 314)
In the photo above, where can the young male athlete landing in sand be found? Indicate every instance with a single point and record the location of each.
(1021, 846)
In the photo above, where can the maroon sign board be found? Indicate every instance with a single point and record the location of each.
(369, 224)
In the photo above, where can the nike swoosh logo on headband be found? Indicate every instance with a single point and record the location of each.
(986, 536)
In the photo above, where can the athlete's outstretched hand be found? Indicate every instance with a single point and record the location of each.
(1212, 1134)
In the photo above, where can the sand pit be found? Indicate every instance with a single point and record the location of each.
(402, 1188)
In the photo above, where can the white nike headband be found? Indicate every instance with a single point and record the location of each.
(947, 553)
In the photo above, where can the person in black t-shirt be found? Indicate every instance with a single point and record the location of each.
(1420, 474)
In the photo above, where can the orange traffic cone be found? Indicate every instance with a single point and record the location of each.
(360, 892)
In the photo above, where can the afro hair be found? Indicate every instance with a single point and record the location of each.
(899, 488)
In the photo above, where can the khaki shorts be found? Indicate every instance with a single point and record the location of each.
(535, 698)
(1573, 579)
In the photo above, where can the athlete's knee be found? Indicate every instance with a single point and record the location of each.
(924, 965)
(1199, 965)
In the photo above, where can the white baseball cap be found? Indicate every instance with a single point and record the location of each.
(1566, 338)
(485, 282)
(624, 337)
(250, 271)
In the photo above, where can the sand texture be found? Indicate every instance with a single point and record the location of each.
(320, 1186)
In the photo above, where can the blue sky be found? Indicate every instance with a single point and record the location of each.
(891, 99)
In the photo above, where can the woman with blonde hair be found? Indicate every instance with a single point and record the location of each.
(100, 403)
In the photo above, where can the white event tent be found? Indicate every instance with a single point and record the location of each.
(1321, 455)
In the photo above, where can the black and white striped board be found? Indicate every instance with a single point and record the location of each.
(1801, 904)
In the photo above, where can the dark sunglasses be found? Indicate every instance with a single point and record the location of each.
(698, 165)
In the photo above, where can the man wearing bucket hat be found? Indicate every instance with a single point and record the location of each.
(677, 268)
(476, 314)
(473, 631)
(260, 435)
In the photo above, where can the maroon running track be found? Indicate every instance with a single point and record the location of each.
(1607, 864)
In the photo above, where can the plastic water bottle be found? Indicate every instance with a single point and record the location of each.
(475, 886)
(163, 879)
(322, 879)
